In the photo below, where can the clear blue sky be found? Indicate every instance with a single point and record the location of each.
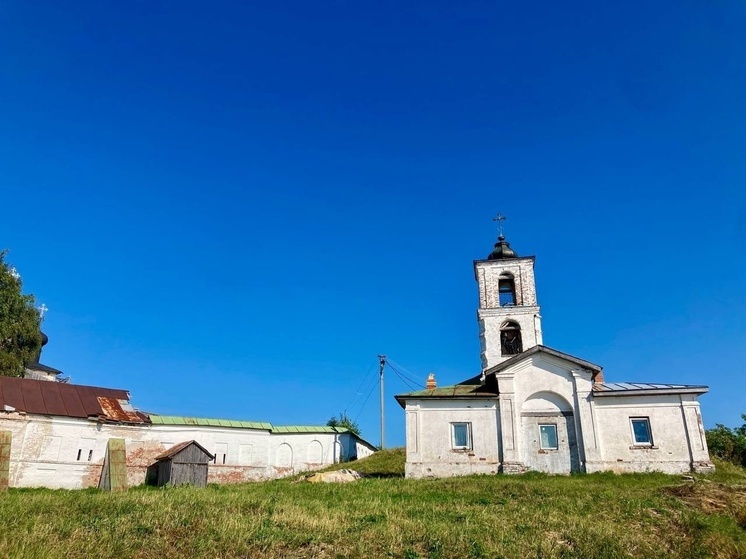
(231, 208)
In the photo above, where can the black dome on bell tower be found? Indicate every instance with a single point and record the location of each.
(502, 250)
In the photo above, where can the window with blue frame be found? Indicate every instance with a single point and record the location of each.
(641, 431)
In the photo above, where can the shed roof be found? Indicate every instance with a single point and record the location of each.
(67, 400)
(174, 450)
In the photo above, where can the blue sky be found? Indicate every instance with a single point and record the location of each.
(231, 209)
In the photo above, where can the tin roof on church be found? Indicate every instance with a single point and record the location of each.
(455, 391)
(67, 400)
(641, 388)
(549, 351)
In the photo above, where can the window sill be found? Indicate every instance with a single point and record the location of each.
(644, 447)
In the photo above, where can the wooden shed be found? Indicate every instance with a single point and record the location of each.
(184, 463)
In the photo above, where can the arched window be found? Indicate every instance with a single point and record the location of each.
(510, 338)
(506, 290)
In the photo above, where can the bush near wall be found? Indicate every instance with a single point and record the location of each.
(728, 444)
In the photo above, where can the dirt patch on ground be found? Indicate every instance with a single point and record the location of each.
(714, 498)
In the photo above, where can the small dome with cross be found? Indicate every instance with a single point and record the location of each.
(502, 250)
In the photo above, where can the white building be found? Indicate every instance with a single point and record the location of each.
(59, 434)
(536, 408)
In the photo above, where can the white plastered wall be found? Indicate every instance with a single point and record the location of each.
(430, 452)
(542, 389)
(679, 443)
(54, 451)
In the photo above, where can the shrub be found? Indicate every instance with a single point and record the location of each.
(728, 444)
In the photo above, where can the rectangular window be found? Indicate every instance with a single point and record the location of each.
(548, 436)
(641, 431)
(461, 435)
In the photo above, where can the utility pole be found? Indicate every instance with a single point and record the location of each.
(381, 365)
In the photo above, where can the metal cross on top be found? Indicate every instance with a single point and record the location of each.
(499, 218)
(42, 309)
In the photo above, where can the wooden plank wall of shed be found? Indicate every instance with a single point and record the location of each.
(191, 455)
(193, 474)
(164, 472)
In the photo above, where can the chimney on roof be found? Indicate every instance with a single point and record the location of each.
(431, 382)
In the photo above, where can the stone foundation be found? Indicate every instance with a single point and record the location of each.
(513, 468)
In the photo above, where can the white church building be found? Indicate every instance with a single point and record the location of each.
(537, 408)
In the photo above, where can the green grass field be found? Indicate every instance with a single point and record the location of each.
(384, 515)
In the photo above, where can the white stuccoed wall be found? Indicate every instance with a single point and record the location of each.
(595, 433)
(429, 452)
(44, 450)
(679, 443)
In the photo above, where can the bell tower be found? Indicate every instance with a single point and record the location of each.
(508, 314)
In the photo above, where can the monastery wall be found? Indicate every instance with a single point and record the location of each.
(68, 453)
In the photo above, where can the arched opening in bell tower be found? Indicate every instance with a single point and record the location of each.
(510, 338)
(506, 290)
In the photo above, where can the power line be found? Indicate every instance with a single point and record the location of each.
(403, 376)
(362, 407)
(358, 394)
(404, 379)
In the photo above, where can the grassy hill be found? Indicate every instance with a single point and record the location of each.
(599, 515)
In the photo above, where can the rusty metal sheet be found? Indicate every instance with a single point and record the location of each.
(67, 400)
(113, 411)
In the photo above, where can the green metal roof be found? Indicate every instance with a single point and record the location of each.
(456, 391)
(446, 391)
(207, 422)
(308, 429)
(236, 424)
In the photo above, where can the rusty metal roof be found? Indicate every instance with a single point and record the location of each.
(67, 400)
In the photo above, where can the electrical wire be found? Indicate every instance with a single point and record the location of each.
(358, 393)
(403, 376)
(366, 400)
